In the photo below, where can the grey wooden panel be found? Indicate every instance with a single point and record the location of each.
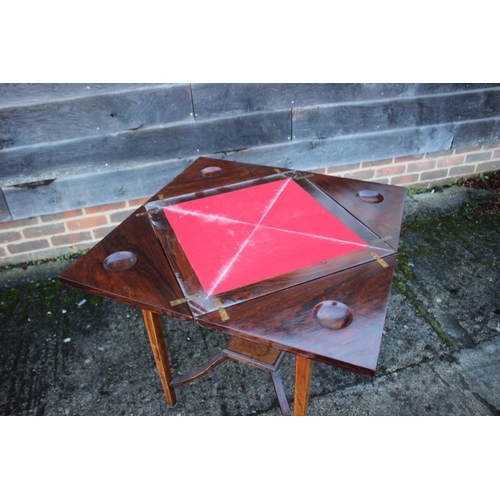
(111, 186)
(4, 210)
(130, 148)
(93, 115)
(345, 150)
(12, 94)
(334, 120)
(476, 133)
(97, 188)
(217, 99)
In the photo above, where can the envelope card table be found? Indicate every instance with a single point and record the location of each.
(283, 261)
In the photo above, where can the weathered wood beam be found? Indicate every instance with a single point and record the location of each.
(344, 150)
(14, 94)
(110, 186)
(216, 99)
(334, 120)
(145, 145)
(92, 189)
(96, 114)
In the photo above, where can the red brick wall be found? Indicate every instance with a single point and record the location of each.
(425, 170)
(50, 236)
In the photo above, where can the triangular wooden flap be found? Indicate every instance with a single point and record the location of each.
(210, 173)
(337, 319)
(378, 206)
(129, 265)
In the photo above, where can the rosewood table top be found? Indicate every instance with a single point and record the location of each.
(295, 261)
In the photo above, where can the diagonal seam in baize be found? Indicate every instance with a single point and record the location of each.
(228, 267)
(210, 217)
(194, 213)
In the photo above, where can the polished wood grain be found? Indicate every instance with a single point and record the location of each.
(187, 277)
(192, 180)
(258, 352)
(149, 284)
(383, 218)
(286, 319)
(303, 373)
(157, 340)
(335, 316)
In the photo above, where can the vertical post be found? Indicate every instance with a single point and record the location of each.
(154, 328)
(303, 372)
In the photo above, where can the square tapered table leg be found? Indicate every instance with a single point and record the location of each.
(157, 340)
(303, 372)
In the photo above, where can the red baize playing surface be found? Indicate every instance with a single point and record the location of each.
(252, 234)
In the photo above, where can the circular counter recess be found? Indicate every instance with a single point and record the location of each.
(211, 171)
(369, 196)
(119, 261)
(333, 315)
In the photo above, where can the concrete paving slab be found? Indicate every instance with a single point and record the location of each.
(433, 388)
(450, 266)
(408, 338)
(480, 369)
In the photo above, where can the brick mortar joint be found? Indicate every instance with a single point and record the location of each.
(90, 243)
(44, 253)
(40, 224)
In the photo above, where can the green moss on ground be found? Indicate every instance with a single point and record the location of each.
(450, 236)
(41, 300)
